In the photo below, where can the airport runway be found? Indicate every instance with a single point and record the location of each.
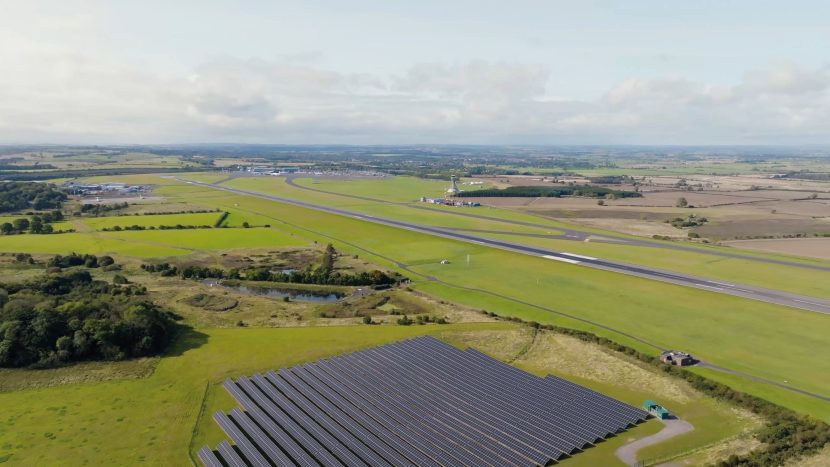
(571, 234)
(755, 293)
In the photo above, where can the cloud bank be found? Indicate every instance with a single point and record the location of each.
(80, 92)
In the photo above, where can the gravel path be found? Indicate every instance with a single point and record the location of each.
(628, 453)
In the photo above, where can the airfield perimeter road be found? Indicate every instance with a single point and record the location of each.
(755, 293)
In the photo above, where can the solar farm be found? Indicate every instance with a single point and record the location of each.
(415, 402)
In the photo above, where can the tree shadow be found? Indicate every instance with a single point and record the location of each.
(186, 338)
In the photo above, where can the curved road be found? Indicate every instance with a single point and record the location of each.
(674, 427)
(755, 293)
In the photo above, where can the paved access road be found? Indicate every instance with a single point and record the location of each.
(755, 293)
(674, 427)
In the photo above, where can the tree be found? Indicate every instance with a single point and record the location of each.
(405, 321)
(681, 202)
(6, 228)
(21, 225)
(36, 226)
(327, 266)
(245, 225)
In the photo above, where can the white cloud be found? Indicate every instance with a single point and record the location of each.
(60, 83)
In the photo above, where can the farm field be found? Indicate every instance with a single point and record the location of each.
(146, 244)
(406, 189)
(808, 247)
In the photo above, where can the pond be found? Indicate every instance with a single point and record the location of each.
(279, 293)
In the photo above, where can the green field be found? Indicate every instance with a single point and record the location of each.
(167, 411)
(406, 189)
(151, 420)
(152, 243)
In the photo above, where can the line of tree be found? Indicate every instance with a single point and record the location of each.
(99, 209)
(81, 173)
(588, 191)
(59, 318)
(221, 219)
(805, 175)
(75, 259)
(611, 179)
(324, 274)
(118, 228)
(191, 271)
(27, 167)
(38, 224)
(17, 196)
(165, 213)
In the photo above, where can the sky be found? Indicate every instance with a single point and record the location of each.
(394, 72)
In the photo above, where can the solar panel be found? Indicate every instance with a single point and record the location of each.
(262, 441)
(525, 404)
(310, 425)
(353, 426)
(246, 447)
(302, 437)
(433, 453)
(415, 402)
(208, 458)
(230, 456)
(324, 419)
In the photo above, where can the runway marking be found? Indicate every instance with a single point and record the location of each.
(579, 256)
(720, 283)
(565, 260)
(810, 303)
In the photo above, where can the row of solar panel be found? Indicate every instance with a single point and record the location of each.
(415, 402)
